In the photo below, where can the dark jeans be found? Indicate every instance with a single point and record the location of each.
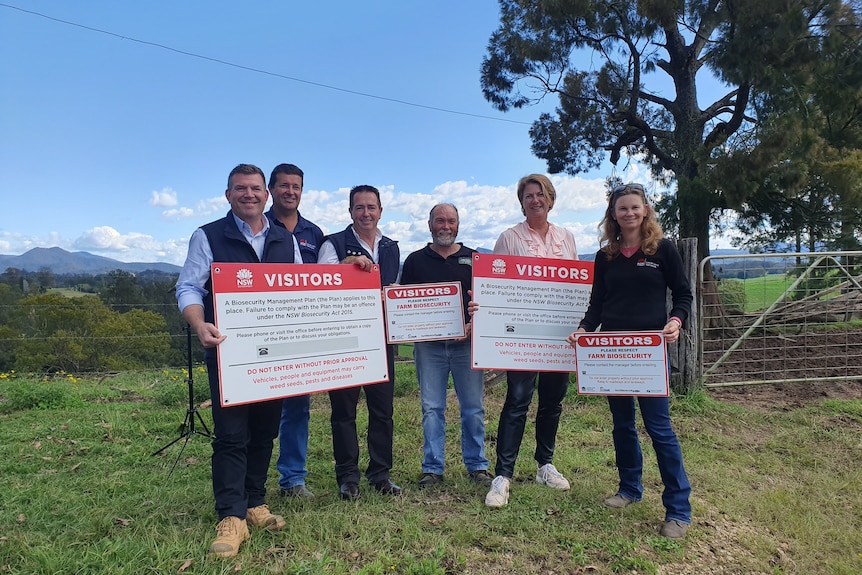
(552, 386)
(345, 440)
(656, 417)
(242, 449)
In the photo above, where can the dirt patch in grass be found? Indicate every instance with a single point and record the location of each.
(786, 396)
(823, 358)
(723, 551)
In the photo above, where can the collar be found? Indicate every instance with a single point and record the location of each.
(246, 229)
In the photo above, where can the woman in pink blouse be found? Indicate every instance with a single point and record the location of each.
(534, 237)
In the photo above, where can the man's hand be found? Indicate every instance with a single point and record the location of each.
(363, 262)
(468, 330)
(472, 307)
(209, 335)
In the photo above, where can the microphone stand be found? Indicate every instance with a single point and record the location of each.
(187, 429)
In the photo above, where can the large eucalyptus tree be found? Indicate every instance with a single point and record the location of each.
(630, 76)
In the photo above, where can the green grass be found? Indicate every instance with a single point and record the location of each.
(763, 291)
(774, 492)
(67, 292)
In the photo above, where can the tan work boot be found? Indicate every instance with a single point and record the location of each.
(231, 532)
(261, 516)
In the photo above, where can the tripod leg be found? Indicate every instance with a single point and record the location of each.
(184, 434)
(180, 454)
(187, 429)
(204, 425)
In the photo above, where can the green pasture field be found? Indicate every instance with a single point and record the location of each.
(68, 292)
(82, 493)
(763, 291)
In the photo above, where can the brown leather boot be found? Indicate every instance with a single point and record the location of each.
(231, 531)
(261, 516)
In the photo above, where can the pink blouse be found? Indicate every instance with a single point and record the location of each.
(522, 240)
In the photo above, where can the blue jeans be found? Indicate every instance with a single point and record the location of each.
(293, 441)
(435, 360)
(656, 417)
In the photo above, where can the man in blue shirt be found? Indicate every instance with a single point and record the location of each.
(285, 186)
(244, 434)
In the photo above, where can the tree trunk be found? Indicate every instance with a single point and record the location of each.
(684, 360)
(694, 210)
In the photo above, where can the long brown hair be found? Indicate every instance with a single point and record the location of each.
(651, 232)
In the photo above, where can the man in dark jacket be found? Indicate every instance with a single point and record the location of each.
(363, 244)
(285, 187)
(244, 434)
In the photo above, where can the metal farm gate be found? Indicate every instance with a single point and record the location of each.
(779, 318)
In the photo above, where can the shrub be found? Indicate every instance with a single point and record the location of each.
(732, 293)
(20, 394)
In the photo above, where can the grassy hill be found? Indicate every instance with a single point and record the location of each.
(775, 491)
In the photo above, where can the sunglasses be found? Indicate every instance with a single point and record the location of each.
(626, 187)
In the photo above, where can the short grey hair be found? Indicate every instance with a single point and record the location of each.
(451, 205)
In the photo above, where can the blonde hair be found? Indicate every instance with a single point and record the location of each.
(541, 181)
(651, 232)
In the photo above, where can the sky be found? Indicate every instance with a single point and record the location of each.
(120, 121)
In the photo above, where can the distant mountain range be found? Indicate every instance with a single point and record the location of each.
(60, 262)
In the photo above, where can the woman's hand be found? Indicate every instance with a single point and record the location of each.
(671, 330)
(571, 338)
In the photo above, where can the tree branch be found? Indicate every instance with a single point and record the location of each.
(723, 129)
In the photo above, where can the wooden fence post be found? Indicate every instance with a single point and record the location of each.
(683, 355)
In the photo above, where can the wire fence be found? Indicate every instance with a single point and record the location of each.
(765, 318)
(780, 318)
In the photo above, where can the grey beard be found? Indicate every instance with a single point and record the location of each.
(444, 241)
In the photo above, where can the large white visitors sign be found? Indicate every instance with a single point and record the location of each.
(527, 307)
(296, 329)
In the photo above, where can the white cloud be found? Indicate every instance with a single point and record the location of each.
(131, 247)
(578, 195)
(203, 209)
(217, 205)
(14, 243)
(167, 197)
(485, 211)
(178, 214)
(102, 238)
(329, 210)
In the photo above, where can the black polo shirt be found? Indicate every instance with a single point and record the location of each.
(427, 266)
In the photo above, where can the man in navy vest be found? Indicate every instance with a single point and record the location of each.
(363, 244)
(244, 434)
(285, 187)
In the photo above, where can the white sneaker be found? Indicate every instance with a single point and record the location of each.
(548, 475)
(499, 494)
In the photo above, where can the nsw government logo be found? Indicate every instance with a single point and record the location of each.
(244, 278)
(498, 266)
